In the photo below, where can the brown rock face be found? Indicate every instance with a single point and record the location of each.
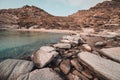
(102, 15)
(30, 16)
(65, 66)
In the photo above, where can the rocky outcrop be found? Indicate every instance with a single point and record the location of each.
(102, 67)
(41, 74)
(10, 69)
(103, 15)
(31, 17)
(62, 45)
(43, 56)
(113, 53)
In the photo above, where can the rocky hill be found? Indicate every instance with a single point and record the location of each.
(103, 15)
(32, 17)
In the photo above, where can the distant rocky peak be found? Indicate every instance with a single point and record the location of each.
(26, 6)
(107, 4)
(116, 0)
(31, 7)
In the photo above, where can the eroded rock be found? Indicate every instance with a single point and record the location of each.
(87, 47)
(103, 68)
(113, 53)
(65, 66)
(41, 74)
(76, 64)
(41, 58)
(62, 45)
(10, 69)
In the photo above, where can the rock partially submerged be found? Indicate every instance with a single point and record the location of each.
(41, 74)
(10, 69)
(104, 68)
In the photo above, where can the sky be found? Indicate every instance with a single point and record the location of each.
(54, 7)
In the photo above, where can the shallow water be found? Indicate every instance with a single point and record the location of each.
(15, 44)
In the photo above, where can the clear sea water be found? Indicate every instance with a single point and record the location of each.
(14, 44)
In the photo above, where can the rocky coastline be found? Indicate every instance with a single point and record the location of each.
(74, 57)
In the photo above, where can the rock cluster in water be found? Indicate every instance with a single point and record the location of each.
(75, 57)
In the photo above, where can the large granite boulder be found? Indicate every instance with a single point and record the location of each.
(10, 69)
(43, 56)
(104, 68)
(41, 74)
(113, 53)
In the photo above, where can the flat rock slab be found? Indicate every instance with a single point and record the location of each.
(47, 48)
(104, 68)
(41, 74)
(113, 53)
(10, 69)
(62, 45)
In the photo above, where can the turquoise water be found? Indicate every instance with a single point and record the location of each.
(15, 44)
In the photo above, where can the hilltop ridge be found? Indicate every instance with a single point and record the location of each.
(103, 14)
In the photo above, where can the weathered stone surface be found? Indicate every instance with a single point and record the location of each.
(42, 58)
(73, 77)
(110, 35)
(70, 53)
(62, 45)
(65, 66)
(75, 72)
(103, 68)
(113, 53)
(86, 47)
(100, 44)
(10, 69)
(41, 74)
(87, 74)
(47, 48)
(76, 64)
(72, 39)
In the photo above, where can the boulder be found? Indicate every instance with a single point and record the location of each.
(10, 69)
(110, 35)
(77, 66)
(72, 77)
(113, 53)
(87, 74)
(72, 39)
(65, 66)
(86, 47)
(104, 68)
(41, 74)
(100, 44)
(47, 48)
(82, 77)
(62, 45)
(42, 57)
